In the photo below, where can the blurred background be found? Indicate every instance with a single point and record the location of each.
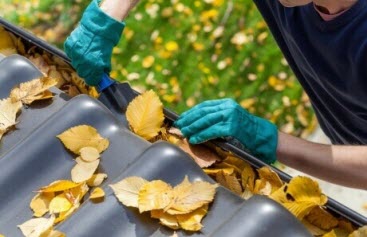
(189, 51)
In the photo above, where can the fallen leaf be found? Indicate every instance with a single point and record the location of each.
(75, 195)
(64, 215)
(192, 220)
(188, 196)
(81, 136)
(97, 193)
(248, 177)
(40, 203)
(89, 154)
(127, 190)
(165, 219)
(54, 233)
(267, 174)
(321, 218)
(96, 179)
(145, 115)
(229, 181)
(154, 195)
(8, 113)
(30, 91)
(83, 171)
(60, 203)
(37, 226)
(361, 232)
(59, 185)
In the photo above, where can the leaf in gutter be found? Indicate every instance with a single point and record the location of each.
(8, 114)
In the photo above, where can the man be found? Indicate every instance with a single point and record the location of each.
(325, 44)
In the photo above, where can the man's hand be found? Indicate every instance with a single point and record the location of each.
(90, 45)
(226, 118)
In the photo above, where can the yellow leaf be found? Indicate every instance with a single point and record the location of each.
(236, 162)
(59, 185)
(63, 215)
(37, 226)
(81, 136)
(40, 203)
(96, 179)
(300, 196)
(361, 232)
(127, 190)
(229, 181)
(262, 187)
(76, 194)
(97, 193)
(154, 195)
(54, 233)
(165, 219)
(8, 113)
(192, 220)
(191, 196)
(330, 234)
(248, 178)
(214, 171)
(2, 235)
(270, 176)
(83, 171)
(321, 218)
(145, 115)
(28, 92)
(89, 154)
(60, 203)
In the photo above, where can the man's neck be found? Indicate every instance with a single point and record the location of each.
(333, 6)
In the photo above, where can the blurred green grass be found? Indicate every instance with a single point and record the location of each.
(189, 51)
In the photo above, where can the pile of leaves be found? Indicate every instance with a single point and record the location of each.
(24, 94)
(63, 197)
(50, 65)
(181, 207)
(301, 196)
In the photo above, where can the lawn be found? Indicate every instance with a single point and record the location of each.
(189, 51)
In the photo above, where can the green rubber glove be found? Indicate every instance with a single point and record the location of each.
(225, 118)
(90, 45)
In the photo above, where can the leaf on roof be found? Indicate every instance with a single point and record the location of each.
(8, 114)
(82, 136)
(145, 115)
(30, 91)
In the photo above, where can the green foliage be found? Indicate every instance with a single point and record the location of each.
(189, 51)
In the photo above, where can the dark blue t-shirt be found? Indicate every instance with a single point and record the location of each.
(329, 59)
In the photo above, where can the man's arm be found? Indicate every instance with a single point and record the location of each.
(344, 165)
(118, 9)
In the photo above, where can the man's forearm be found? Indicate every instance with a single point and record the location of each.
(345, 165)
(118, 9)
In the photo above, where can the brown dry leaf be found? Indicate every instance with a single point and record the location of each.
(330, 234)
(202, 155)
(81, 136)
(248, 178)
(28, 92)
(314, 230)
(145, 115)
(361, 232)
(192, 220)
(229, 181)
(60, 203)
(83, 171)
(89, 154)
(96, 179)
(189, 196)
(154, 195)
(8, 114)
(270, 176)
(97, 193)
(37, 226)
(300, 196)
(127, 190)
(7, 46)
(236, 162)
(321, 218)
(59, 185)
(40, 203)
